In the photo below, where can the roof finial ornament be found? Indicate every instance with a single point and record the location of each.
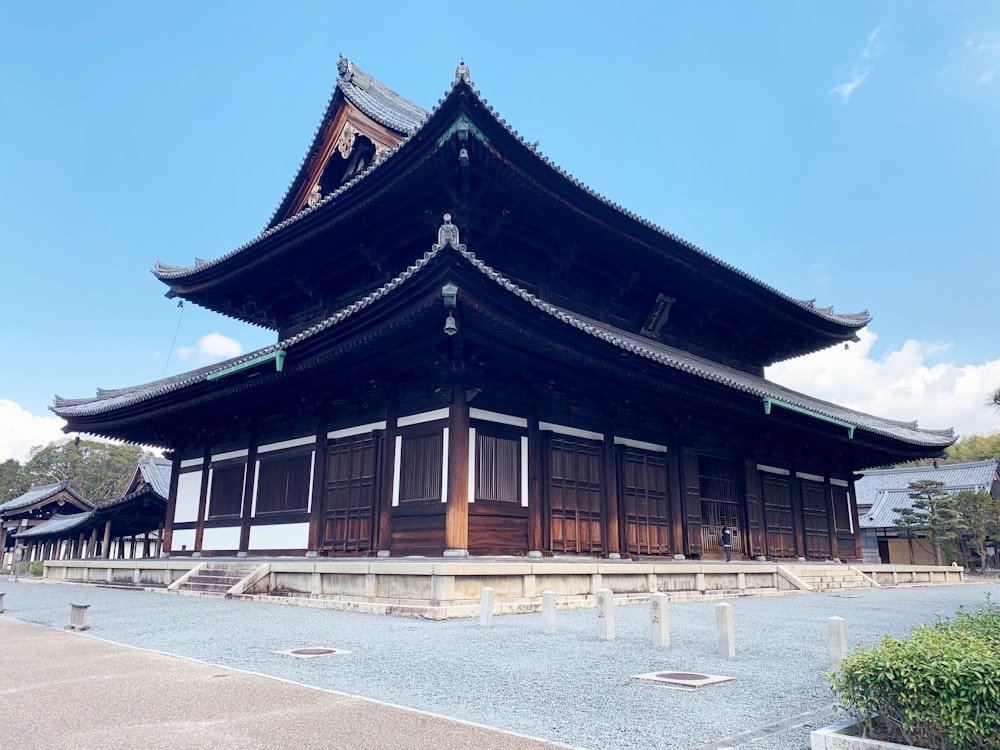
(462, 72)
(448, 235)
(344, 67)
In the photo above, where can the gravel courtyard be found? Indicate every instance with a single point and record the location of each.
(569, 687)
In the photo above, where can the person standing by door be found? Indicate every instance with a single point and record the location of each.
(727, 543)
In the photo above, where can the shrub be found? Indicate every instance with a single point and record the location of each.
(36, 568)
(937, 688)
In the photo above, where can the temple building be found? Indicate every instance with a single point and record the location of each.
(55, 523)
(476, 354)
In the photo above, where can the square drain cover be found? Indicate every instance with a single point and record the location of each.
(312, 652)
(684, 680)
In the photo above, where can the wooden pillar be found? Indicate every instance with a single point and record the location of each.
(206, 473)
(166, 529)
(248, 484)
(692, 503)
(92, 547)
(145, 545)
(612, 533)
(456, 529)
(798, 517)
(318, 500)
(81, 546)
(534, 483)
(106, 546)
(831, 518)
(852, 501)
(3, 541)
(676, 489)
(383, 527)
(160, 538)
(753, 496)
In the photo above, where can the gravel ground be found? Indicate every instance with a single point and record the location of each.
(568, 686)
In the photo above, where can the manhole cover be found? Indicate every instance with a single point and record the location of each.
(684, 680)
(682, 676)
(312, 652)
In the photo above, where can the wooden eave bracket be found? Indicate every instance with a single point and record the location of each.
(278, 357)
(463, 127)
(769, 402)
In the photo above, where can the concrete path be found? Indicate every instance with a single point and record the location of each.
(65, 690)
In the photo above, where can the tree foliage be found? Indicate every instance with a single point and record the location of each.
(978, 520)
(932, 512)
(975, 448)
(97, 471)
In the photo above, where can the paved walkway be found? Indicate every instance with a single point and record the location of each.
(64, 690)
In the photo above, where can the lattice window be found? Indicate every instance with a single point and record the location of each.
(498, 468)
(420, 467)
(283, 484)
(226, 497)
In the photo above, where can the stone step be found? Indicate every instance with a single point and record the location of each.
(208, 588)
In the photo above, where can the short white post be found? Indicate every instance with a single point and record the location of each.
(486, 608)
(659, 620)
(836, 639)
(605, 615)
(78, 617)
(726, 633)
(549, 611)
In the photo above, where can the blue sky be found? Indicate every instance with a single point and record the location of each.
(846, 152)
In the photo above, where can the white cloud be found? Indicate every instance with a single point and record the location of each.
(844, 90)
(20, 431)
(986, 77)
(902, 385)
(212, 347)
(873, 47)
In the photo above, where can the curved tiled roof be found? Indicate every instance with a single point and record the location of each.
(885, 489)
(156, 471)
(671, 357)
(376, 94)
(39, 494)
(57, 524)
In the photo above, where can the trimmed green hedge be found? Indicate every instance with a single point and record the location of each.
(937, 688)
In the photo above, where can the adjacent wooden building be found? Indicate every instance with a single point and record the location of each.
(477, 354)
(55, 523)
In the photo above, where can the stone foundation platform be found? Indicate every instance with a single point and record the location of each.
(441, 588)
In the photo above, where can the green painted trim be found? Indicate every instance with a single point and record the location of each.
(463, 126)
(278, 357)
(768, 402)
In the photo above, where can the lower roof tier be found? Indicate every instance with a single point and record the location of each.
(451, 317)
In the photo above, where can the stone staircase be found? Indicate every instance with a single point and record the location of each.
(213, 578)
(822, 577)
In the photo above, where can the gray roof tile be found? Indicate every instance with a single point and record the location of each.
(885, 489)
(38, 494)
(377, 92)
(676, 359)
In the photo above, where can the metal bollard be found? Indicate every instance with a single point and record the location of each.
(1, 603)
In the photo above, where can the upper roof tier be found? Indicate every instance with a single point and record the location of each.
(380, 170)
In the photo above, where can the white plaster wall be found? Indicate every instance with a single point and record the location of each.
(188, 494)
(280, 536)
(182, 538)
(224, 537)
